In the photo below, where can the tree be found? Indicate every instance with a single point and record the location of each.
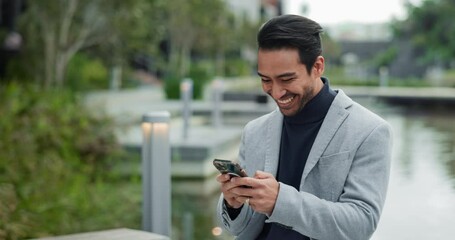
(56, 31)
(331, 48)
(200, 24)
(430, 27)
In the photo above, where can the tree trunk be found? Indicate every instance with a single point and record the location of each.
(49, 57)
(174, 59)
(185, 61)
(220, 61)
(60, 69)
(116, 77)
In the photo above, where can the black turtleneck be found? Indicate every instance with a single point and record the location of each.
(297, 138)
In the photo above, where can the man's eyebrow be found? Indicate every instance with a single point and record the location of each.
(261, 75)
(283, 75)
(287, 74)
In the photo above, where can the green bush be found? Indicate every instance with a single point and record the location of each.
(86, 73)
(172, 87)
(200, 76)
(54, 162)
(238, 67)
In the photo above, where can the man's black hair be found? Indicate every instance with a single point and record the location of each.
(293, 32)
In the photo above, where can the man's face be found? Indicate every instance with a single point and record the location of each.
(286, 79)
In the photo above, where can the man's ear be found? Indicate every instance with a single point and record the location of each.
(318, 67)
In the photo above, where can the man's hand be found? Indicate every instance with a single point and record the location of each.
(232, 199)
(262, 193)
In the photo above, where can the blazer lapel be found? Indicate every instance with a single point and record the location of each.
(335, 116)
(273, 142)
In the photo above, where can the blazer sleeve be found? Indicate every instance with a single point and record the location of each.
(240, 226)
(355, 212)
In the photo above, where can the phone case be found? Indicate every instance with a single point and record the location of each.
(229, 167)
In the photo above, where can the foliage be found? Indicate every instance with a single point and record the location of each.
(55, 31)
(236, 67)
(55, 159)
(172, 87)
(430, 27)
(173, 34)
(85, 73)
(385, 58)
(449, 78)
(331, 48)
(200, 76)
(201, 25)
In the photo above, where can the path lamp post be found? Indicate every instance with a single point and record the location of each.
(186, 95)
(156, 173)
(217, 93)
(383, 76)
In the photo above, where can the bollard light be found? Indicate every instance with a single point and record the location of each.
(217, 91)
(186, 95)
(383, 76)
(156, 173)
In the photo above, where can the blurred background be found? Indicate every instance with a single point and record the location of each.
(76, 76)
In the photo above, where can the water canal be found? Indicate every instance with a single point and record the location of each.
(421, 197)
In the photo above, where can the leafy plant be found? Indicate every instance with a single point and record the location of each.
(56, 157)
(85, 73)
(198, 74)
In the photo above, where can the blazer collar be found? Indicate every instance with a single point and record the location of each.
(335, 117)
(273, 142)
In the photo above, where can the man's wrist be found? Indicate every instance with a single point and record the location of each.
(229, 206)
(232, 212)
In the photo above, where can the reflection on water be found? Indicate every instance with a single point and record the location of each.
(421, 198)
(194, 217)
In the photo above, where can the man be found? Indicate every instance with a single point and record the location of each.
(319, 165)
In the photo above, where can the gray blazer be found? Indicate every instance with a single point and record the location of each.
(344, 183)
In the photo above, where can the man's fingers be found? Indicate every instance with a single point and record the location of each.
(243, 181)
(222, 178)
(262, 175)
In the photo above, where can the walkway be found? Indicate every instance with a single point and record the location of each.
(192, 156)
(414, 94)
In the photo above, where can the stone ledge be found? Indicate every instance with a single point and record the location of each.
(111, 234)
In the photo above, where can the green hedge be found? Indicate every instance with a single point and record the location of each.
(55, 160)
(85, 73)
(200, 76)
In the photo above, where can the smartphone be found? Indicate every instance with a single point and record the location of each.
(229, 167)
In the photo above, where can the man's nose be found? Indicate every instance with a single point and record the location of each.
(277, 92)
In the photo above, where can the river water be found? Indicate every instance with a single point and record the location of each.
(421, 198)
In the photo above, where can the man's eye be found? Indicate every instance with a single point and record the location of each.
(265, 80)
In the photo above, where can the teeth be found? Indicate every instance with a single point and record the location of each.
(286, 100)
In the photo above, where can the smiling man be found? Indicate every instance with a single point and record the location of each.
(319, 164)
(286, 79)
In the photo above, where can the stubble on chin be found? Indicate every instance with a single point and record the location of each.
(303, 102)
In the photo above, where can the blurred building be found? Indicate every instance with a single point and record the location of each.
(361, 44)
(359, 31)
(255, 10)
